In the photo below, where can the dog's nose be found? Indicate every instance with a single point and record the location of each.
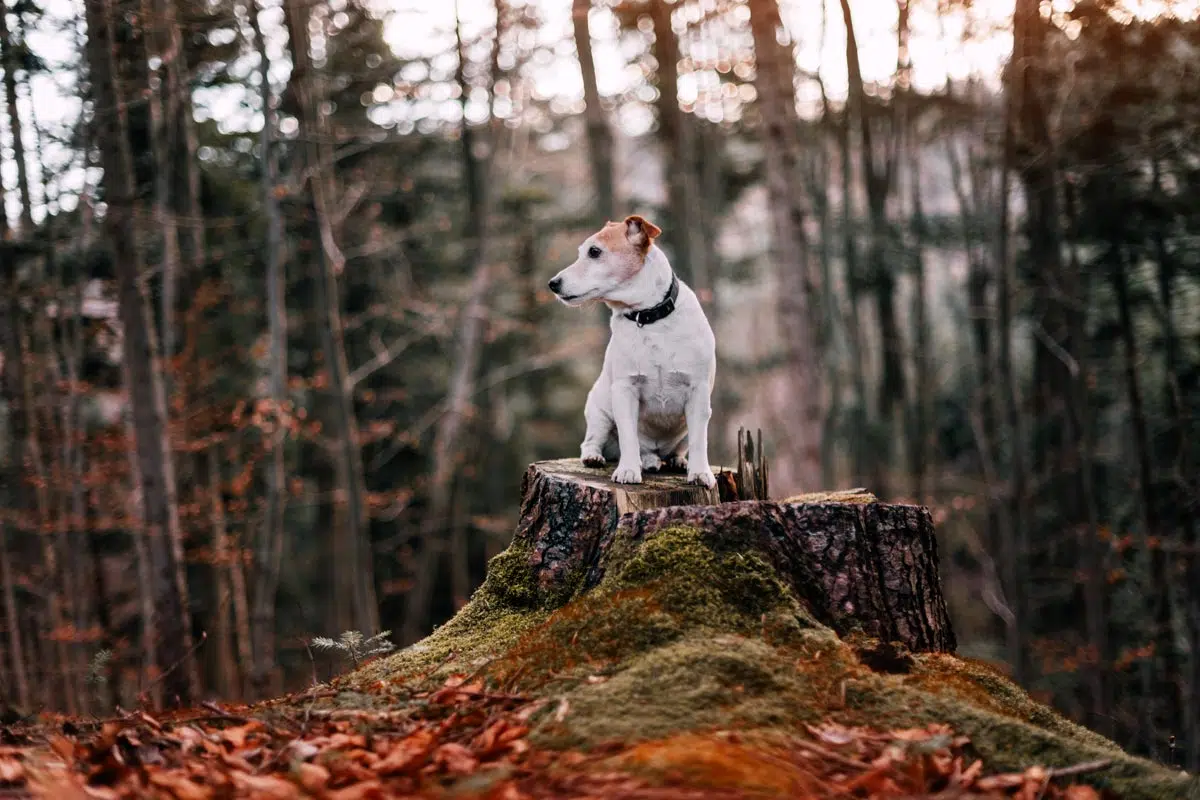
(555, 285)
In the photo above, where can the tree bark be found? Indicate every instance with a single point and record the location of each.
(878, 176)
(1013, 544)
(599, 134)
(676, 137)
(271, 539)
(145, 385)
(446, 442)
(162, 102)
(16, 649)
(798, 308)
(858, 566)
(8, 56)
(353, 566)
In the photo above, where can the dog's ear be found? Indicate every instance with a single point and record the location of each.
(640, 231)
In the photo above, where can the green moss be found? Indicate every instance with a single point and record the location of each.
(695, 683)
(691, 631)
(485, 628)
(728, 591)
(510, 578)
(1006, 742)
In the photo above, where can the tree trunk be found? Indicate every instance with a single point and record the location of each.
(446, 445)
(226, 667)
(146, 392)
(352, 557)
(1165, 689)
(921, 454)
(162, 102)
(798, 308)
(865, 566)
(271, 539)
(16, 650)
(8, 55)
(599, 134)
(677, 138)
(1013, 541)
(878, 175)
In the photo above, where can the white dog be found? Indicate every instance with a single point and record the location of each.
(655, 389)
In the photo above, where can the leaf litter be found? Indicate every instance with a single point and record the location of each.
(461, 740)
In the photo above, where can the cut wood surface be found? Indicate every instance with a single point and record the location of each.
(859, 564)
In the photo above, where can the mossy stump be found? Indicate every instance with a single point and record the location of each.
(869, 568)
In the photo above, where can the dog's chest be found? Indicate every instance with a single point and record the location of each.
(664, 368)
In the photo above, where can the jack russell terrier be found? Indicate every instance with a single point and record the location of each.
(654, 392)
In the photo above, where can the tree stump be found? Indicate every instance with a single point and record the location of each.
(860, 566)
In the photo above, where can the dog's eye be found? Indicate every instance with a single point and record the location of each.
(594, 252)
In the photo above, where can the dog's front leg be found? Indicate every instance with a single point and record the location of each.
(625, 415)
(599, 424)
(698, 412)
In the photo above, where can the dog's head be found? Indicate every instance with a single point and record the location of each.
(608, 259)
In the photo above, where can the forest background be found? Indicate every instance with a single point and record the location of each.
(275, 346)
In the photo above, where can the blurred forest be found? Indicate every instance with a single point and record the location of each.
(276, 346)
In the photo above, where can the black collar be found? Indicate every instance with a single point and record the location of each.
(663, 309)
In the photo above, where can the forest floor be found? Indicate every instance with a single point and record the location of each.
(462, 740)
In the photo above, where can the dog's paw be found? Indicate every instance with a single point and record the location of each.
(651, 462)
(626, 474)
(676, 463)
(703, 477)
(592, 458)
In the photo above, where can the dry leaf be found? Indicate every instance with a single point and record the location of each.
(11, 770)
(833, 733)
(265, 787)
(365, 790)
(455, 759)
(409, 754)
(1080, 792)
(179, 785)
(313, 777)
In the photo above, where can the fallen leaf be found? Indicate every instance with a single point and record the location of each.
(63, 747)
(970, 774)
(833, 733)
(408, 754)
(994, 783)
(313, 777)
(1080, 792)
(11, 770)
(560, 713)
(366, 790)
(236, 737)
(455, 759)
(265, 787)
(179, 785)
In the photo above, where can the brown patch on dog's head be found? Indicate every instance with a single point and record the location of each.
(641, 232)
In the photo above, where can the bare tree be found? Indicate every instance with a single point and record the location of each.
(271, 538)
(146, 391)
(447, 447)
(678, 139)
(8, 56)
(878, 161)
(789, 244)
(354, 573)
(599, 134)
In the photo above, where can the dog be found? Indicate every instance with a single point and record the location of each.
(650, 407)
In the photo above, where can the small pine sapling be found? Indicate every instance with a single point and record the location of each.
(352, 645)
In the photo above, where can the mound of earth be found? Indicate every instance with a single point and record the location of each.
(627, 660)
